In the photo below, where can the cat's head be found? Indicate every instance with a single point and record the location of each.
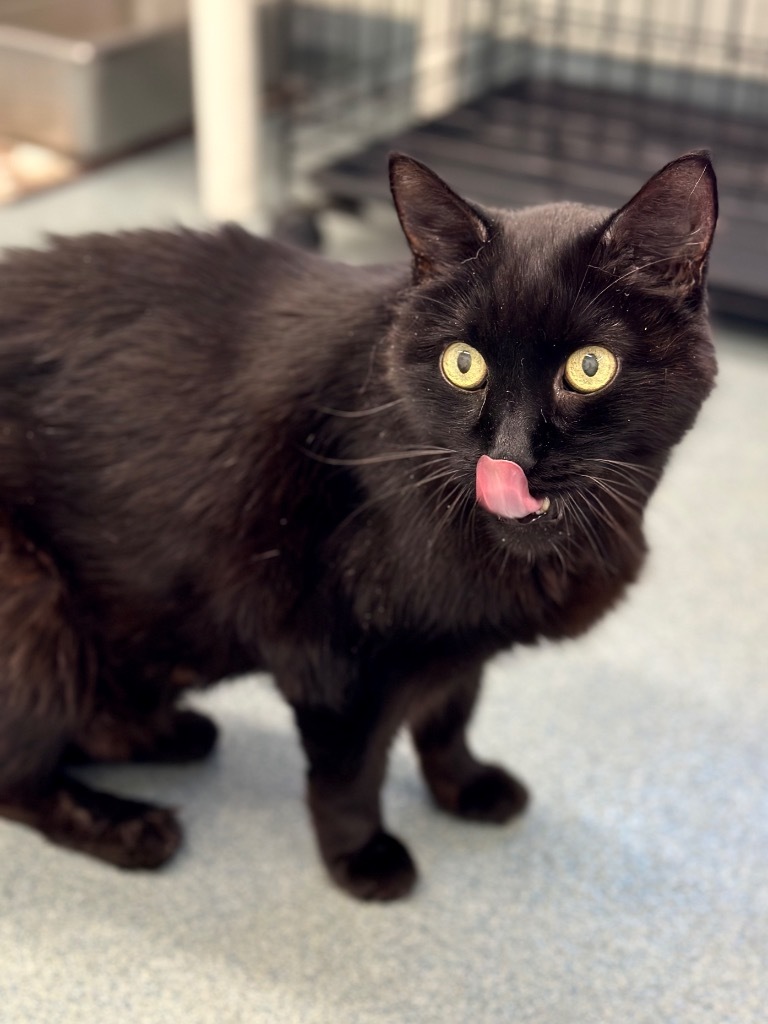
(559, 352)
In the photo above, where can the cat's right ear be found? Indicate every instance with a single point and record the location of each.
(441, 228)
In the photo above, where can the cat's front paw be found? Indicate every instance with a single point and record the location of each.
(490, 794)
(382, 869)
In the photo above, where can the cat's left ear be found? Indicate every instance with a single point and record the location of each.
(441, 228)
(661, 238)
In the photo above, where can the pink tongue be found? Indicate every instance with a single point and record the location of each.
(502, 488)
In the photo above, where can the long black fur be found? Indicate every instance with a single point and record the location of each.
(218, 453)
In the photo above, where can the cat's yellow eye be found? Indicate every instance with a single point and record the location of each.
(590, 369)
(463, 366)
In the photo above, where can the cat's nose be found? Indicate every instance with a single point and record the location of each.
(514, 448)
(511, 453)
(513, 436)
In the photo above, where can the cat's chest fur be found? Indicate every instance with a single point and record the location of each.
(470, 585)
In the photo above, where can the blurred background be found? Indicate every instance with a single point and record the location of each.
(295, 105)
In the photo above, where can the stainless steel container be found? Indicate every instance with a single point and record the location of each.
(93, 77)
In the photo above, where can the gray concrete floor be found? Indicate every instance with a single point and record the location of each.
(635, 891)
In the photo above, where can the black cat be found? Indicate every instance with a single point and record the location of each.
(219, 454)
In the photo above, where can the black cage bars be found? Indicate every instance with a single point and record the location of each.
(520, 101)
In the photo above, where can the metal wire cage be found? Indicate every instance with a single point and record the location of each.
(520, 101)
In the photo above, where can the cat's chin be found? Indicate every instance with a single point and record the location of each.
(533, 533)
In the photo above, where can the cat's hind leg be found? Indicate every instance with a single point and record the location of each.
(460, 784)
(46, 676)
(165, 734)
(123, 832)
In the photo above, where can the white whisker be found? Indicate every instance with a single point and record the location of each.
(358, 413)
(586, 527)
(629, 273)
(372, 460)
(621, 497)
(629, 468)
(402, 488)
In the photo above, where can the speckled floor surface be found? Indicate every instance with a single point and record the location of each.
(635, 891)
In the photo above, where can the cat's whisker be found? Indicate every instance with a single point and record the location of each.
(604, 514)
(631, 469)
(467, 514)
(585, 527)
(372, 460)
(560, 544)
(358, 413)
(589, 511)
(628, 483)
(468, 511)
(626, 502)
(637, 496)
(590, 266)
(614, 490)
(453, 501)
(395, 492)
(446, 472)
(631, 483)
(558, 552)
(455, 296)
(634, 270)
(450, 502)
(449, 482)
(450, 498)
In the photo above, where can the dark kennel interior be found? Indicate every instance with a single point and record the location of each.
(546, 100)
